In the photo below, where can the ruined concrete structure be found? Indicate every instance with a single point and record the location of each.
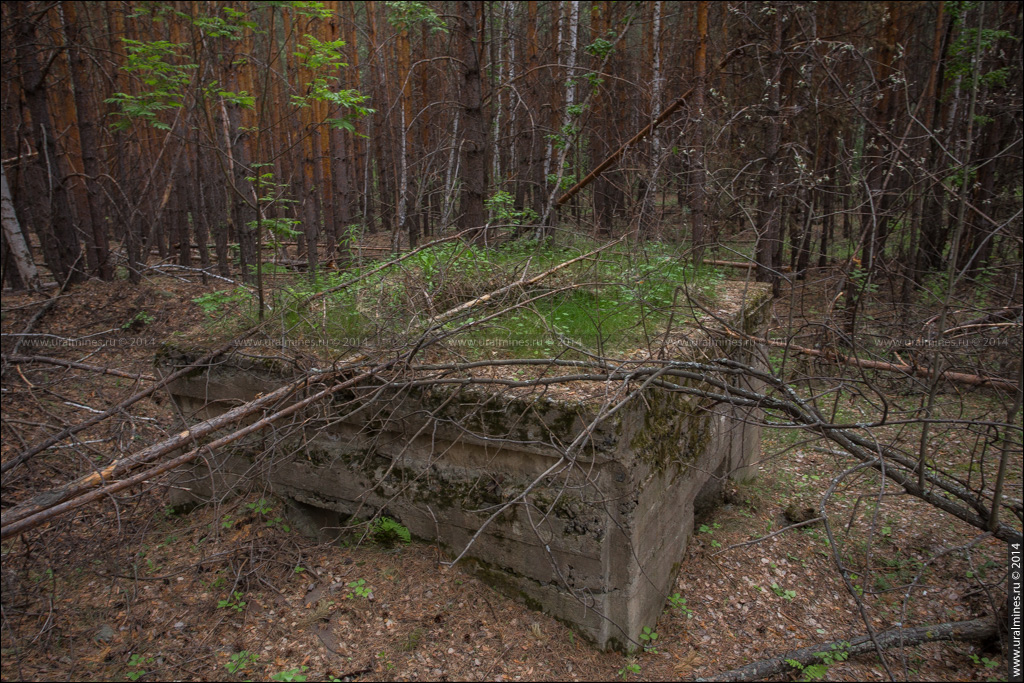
(593, 537)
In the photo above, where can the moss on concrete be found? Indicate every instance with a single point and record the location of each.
(675, 429)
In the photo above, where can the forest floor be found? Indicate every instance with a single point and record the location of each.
(128, 590)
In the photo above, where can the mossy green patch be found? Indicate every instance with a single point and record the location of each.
(675, 428)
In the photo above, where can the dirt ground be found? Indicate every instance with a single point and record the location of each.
(128, 590)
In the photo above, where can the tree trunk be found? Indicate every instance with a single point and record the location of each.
(769, 243)
(14, 239)
(405, 122)
(87, 139)
(55, 222)
(648, 219)
(978, 629)
(474, 129)
(243, 208)
(698, 207)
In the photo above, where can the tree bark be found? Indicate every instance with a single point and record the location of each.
(769, 230)
(15, 239)
(698, 210)
(242, 200)
(87, 139)
(474, 130)
(977, 629)
(56, 224)
(648, 219)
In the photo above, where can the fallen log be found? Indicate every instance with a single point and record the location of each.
(976, 629)
(906, 369)
(644, 132)
(77, 366)
(32, 451)
(95, 485)
(741, 264)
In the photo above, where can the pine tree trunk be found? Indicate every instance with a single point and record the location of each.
(769, 220)
(87, 139)
(474, 136)
(698, 193)
(55, 222)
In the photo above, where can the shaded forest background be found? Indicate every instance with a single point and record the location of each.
(207, 132)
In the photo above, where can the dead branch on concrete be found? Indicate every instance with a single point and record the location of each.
(54, 502)
(32, 451)
(976, 629)
(941, 491)
(91, 487)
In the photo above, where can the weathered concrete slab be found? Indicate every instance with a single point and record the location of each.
(593, 538)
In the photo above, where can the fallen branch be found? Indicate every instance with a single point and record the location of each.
(977, 629)
(32, 451)
(97, 484)
(38, 316)
(91, 487)
(906, 369)
(644, 132)
(741, 264)
(78, 366)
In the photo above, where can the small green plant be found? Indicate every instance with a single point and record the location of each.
(296, 674)
(212, 302)
(227, 521)
(359, 588)
(501, 206)
(383, 657)
(260, 507)
(414, 639)
(648, 638)
(631, 667)
(984, 661)
(677, 602)
(982, 570)
(811, 672)
(839, 652)
(785, 594)
(280, 229)
(239, 661)
(137, 664)
(710, 530)
(387, 532)
(349, 239)
(141, 319)
(600, 48)
(263, 507)
(278, 522)
(234, 601)
(861, 281)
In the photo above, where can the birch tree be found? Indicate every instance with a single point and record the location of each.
(15, 239)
